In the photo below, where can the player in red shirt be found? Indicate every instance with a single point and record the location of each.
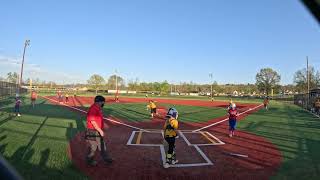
(95, 132)
(33, 98)
(233, 113)
(59, 94)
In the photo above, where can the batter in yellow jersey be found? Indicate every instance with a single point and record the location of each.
(170, 133)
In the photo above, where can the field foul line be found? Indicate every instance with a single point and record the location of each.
(226, 119)
(311, 113)
(117, 122)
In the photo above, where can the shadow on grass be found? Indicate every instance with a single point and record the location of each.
(30, 170)
(8, 101)
(296, 134)
(46, 110)
(23, 159)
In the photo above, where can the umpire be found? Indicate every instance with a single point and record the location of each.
(95, 132)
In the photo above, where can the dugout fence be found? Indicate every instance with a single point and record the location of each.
(307, 100)
(9, 89)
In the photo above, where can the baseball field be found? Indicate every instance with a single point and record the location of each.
(47, 142)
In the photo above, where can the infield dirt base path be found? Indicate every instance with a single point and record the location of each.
(142, 162)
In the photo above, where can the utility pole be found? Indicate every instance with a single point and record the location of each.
(210, 75)
(116, 80)
(308, 82)
(30, 84)
(26, 43)
(308, 75)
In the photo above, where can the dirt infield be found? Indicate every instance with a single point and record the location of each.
(205, 154)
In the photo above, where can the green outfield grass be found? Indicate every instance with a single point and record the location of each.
(139, 112)
(36, 142)
(297, 135)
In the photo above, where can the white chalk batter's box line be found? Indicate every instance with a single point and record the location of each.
(181, 133)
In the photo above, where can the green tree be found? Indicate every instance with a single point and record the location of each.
(300, 79)
(145, 87)
(164, 87)
(156, 86)
(267, 79)
(134, 85)
(112, 82)
(12, 77)
(96, 81)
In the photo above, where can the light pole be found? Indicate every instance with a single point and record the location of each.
(210, 75)
(116, 80)
(308, 83)
(308, 78)
(26, 43)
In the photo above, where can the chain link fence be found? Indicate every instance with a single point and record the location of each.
(307, 101)
(8, 89)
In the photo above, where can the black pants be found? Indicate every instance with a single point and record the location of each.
(171, 141)
(94, 144)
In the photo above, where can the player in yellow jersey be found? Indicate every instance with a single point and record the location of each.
(153, 108)
(170, 133)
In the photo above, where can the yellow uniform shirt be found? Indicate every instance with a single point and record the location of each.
(170, 127)
(152, 105)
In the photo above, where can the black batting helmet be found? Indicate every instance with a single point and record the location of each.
(99, 99)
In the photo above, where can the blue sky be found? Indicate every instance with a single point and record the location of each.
(155, 40)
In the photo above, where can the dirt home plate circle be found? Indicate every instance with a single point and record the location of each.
(138, 148)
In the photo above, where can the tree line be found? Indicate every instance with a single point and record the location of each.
(267, 82)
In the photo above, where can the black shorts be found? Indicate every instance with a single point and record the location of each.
(154, 110)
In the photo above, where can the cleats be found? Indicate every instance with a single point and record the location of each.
(92, 163)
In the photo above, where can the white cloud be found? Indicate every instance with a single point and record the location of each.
(13, 64)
